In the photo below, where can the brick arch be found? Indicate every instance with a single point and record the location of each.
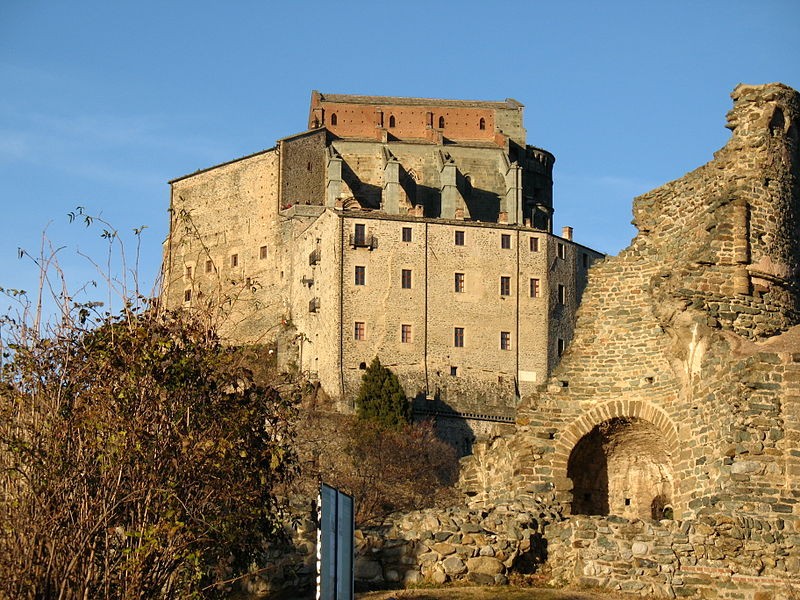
(640, 409)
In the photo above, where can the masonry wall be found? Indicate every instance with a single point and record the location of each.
(218, 214)
(303, 169)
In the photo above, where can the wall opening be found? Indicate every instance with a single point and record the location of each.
(622, 467)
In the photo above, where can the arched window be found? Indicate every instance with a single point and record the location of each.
(441, 122)
(391, 121)
(482, 123)
(333, 119)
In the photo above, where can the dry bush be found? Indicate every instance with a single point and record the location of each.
(138, 456)
(385, 469)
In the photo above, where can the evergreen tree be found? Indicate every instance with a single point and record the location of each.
(381, 397)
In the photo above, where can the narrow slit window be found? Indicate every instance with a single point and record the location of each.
(441, 122)
(562, 294)
(459, 239)
(405, 334)
(482, 123)
(406, 279)
(234, 260)
(334, 120)
(361, 275)
(505, 340)
(534, 244)
(262, 252)
(505, 241)
(391, 121)
(209, 266)
(458, 337)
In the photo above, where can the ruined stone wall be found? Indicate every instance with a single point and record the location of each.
(714, 556)
(678, 396)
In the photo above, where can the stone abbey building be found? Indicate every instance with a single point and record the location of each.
(415, 230)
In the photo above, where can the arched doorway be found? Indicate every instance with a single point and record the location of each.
(623, 467)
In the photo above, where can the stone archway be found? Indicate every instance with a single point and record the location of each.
(618, 459)
(621, 467)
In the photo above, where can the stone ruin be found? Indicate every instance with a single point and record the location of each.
(663, 455)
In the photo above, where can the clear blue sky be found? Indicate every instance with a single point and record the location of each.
(101, 103)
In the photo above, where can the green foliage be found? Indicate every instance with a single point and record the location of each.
(381, 397)
(138, 459)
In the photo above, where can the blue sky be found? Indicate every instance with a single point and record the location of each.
(101, 103)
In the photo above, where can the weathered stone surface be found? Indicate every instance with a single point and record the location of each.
(485, 564)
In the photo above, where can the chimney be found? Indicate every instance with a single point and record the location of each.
(566, 233)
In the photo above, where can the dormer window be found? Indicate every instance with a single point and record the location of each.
(391, 121)
(334, 120)
(441, 122)
(482, 124)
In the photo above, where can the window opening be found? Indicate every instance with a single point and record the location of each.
(562, 294)
(406, 279)
(361, 275)
(441, 122)
(562, 251)
(505, 241)
(534, 244)
(360, 330)
(360, 234)
(334, 120)
(482, 123)
(405, 334)
(209, 266)
(535, 288)
(505, 286)
(262, 252)
(453, 371)
(187, 296)
(234, 260)
(458, 337)
(459, 282)
(391, 121)
(459, 239)
(406, 234)
(505, 340)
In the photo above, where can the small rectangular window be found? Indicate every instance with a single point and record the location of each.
(360, 234)
(187, 296)
(405, 334)
(209, 266)
(505, 286)
(459, 239)
(505, 241)
(459, 282)
(562, 251)
(406, 279)
(534, 244)
(585, 260)
(234, 260)
(359, 332)
(453, 371)
(535, 288)
(562, 294)
(505, 340)
(262, 252)
(561, 345)
(189, 272)
(406, 234)
(458, 337)
(361, 275)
